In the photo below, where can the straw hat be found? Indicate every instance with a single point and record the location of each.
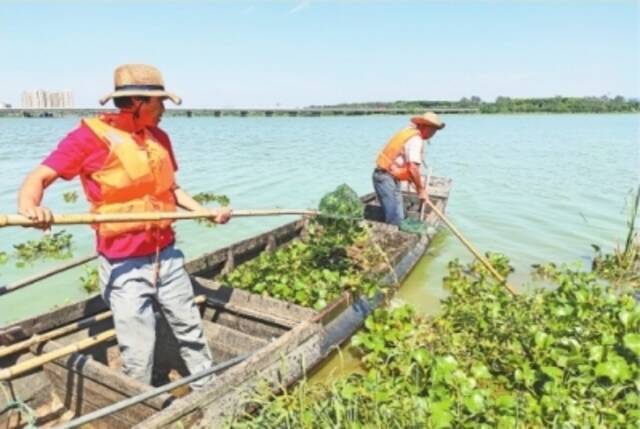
(429, 118)
(141, 80)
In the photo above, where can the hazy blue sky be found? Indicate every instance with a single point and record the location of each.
(296, 53)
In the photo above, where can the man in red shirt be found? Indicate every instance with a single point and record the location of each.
(126, 164)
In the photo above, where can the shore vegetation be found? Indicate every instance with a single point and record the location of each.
(558, 104)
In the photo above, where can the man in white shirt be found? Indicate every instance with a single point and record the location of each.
(399, 161)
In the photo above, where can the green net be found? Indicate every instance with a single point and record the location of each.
(343, 202)
(414, 226)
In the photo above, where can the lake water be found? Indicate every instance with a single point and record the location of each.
(536, 187)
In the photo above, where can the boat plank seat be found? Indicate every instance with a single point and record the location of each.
(258, 316)
(227, 343)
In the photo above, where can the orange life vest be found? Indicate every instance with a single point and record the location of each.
(392, 150)
(134, 178)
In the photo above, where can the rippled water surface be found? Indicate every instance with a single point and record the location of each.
(535, 187)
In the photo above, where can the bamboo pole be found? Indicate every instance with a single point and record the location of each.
(40, 338)
(38, 277)
(473, 250)
(88, 218)
(422, 204)
(22, 367)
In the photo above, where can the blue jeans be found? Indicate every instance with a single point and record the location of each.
(130, 287)
(388, 191)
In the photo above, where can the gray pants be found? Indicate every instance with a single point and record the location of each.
(130, 287)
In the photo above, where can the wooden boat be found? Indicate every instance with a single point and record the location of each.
(282, 340)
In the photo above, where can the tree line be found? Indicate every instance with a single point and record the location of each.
(558, 104)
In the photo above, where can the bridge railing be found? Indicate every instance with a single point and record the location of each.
(329, 111)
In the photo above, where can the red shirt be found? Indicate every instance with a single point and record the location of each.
(82, 153)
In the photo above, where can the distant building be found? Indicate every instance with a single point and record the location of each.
(41, 99)
(5, 105)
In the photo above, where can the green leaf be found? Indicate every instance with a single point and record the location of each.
(525, 375)
(554, 372)
(480, 371)
(542, 340)
(421, 356)
(441, 416)
(506, 422)
(624, 317)
(596, 353)
(320, 304)
(615, 368)
(506, 402)
(348, 391)
(474, 402)
(563, 311)
(632, 342)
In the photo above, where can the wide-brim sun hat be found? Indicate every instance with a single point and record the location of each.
(429, 118)
(132, 80)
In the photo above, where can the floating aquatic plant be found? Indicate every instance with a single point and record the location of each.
(566, 357)
(51, 246)
(70, 197)
(209, 197)
(315, 270)
(622, 267)
(89, 279)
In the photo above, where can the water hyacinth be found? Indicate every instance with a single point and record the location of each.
(205, 198)
(316, 270)
(343, 202)
(90, 280)
(567, 357)
(51, 246)
(70, 197)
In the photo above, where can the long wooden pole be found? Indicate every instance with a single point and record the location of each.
(426, 185)
(87, 218)
(473, 250)
(22, 367)
(40, 338)
(38, 277)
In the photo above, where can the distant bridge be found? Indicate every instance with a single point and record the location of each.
(304, 112)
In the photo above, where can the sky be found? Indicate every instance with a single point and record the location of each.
(263, 54)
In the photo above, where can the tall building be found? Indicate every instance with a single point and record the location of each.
(41, 99)
(67, 98)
